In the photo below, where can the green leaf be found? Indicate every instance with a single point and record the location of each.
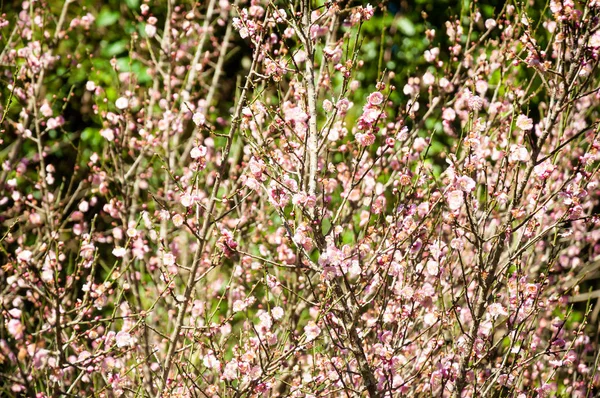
(94, 141)
(436, 148)
(132, 4)
(115, 48)
(406, 26)
(106, 17)
(140, 71)
(91, 135)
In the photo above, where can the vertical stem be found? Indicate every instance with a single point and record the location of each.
(484, 290)
(202, 235)
(165, 48)
(192, 75)
(36, 90)
(312, 148)
(309, 81)
(215, 79)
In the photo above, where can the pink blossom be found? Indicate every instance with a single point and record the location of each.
(365, 139)
(46, 110)
(375, 98)
(15, 328)
(186, 200)
(544, 170)
(524, 123)
(455, 200)
(198, 152)
(312, 331)
(334, 54)
(107, 133)
(490, 23)
(178, 220)
(368, 12)
(594, 40)
(210, 361)
(119, 251)
(55, 122)
(25, 256)
(518, 153)
(239, 305)
(231, 370)
(266, 322)
(496, 310)
(419, 144)
(168, 259)
(199, 119)
(531, 289)
(252, 183)
(277, 313)
(428, 79)
(429, 319)
(256, 167)
(431, 55)
(122, 103)
(555, 6)
(225, 329)
(475, 103)
(466, 183)
(124, 339)
(150, 30)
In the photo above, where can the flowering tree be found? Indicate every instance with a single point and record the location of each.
(233, 209)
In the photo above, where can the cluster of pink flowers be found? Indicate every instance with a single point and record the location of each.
(372, 113)
(296, 230)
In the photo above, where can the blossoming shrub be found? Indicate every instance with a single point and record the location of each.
(230, 208)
